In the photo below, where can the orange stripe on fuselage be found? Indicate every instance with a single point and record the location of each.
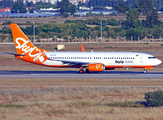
(132, 66)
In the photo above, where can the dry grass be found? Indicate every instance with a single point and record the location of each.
(76, 99)
(92, 26)
(75, 103)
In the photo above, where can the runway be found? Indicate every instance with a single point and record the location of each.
(75, 74)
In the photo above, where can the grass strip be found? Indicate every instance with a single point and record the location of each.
(125, 104)
(12, 106)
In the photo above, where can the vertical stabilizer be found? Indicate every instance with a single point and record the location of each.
(22, 43)
(24, 46)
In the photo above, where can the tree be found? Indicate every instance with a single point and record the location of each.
(144, 6)
(112, 22)
(104, 3)
(66, 7)
(18, 7)
(121, 7)
(43, 35)
(65, 15)
(132, 32)
(29, 30)
(126, 24)
(72, 9)
(144, 33)
(94, 34)
(158, 32)
(152, 18)
(154, 99)
(57, 29)
(132, 15)
(82, 33)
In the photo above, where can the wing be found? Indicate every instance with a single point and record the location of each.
(73, 63)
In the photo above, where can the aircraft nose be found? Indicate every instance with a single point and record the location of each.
(158, 61)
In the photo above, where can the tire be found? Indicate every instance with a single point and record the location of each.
(145, 72)
(81, 71)
(87, 71)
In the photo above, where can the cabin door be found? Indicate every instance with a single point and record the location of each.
(141, 59)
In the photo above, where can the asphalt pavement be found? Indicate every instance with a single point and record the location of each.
(75, 74)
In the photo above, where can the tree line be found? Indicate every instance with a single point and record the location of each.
(132, 26)
(19, 6)
(158, 4)
(92, 27)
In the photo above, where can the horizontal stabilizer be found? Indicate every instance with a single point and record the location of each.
(17, 54)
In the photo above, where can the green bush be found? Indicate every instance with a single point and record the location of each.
(154, 99)
(7, 23)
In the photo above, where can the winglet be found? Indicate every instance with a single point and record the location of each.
(83, 50)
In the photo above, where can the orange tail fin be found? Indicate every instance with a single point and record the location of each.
(24, 46)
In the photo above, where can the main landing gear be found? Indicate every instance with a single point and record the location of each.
(82, 70)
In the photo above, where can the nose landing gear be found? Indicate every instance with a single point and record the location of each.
(145, 72)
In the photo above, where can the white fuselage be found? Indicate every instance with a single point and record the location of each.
(109, 59)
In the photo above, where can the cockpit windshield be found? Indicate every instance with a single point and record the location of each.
(151, 57)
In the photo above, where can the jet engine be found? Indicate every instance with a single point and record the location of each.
(96, 67)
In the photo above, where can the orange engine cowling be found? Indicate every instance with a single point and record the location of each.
(96, 67)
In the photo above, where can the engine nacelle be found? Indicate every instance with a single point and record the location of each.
(96, 67)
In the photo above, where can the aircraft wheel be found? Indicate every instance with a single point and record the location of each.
(87, 71)
(81, 71)
(145, 71)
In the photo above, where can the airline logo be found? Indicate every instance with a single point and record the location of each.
(32, 51)
(98, 65)
(121, 61)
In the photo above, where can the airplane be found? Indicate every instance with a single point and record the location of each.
(86, 61)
